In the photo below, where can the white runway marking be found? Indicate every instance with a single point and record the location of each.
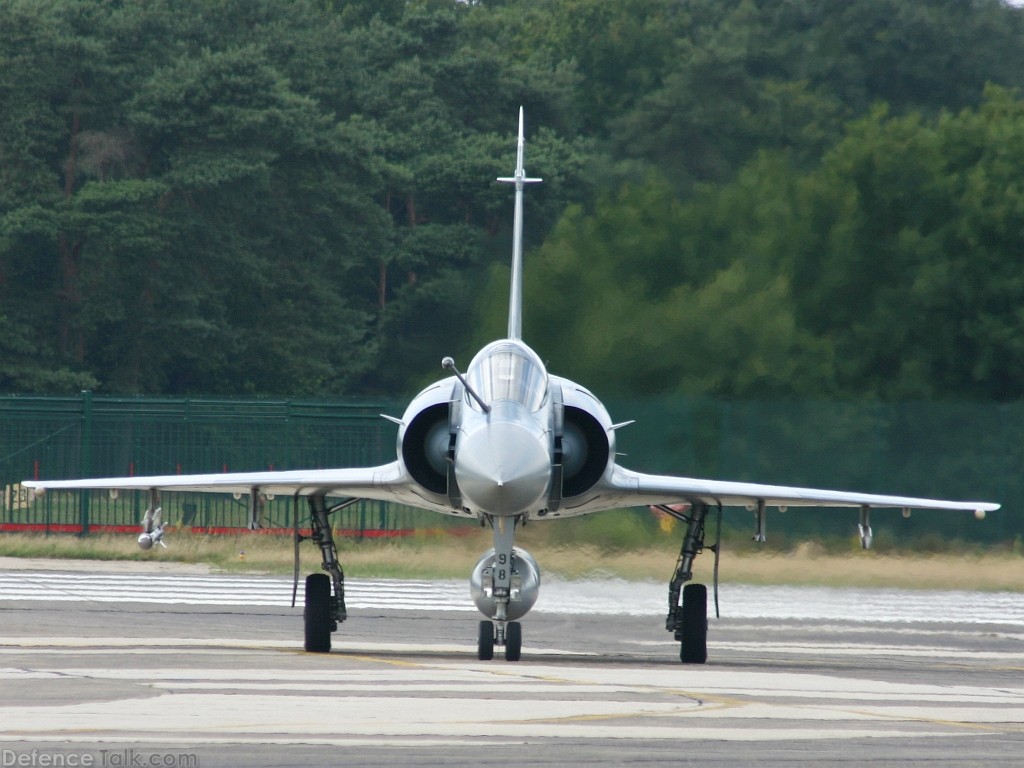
(367, 699)
(225, 590)
(771, 683)
(604, 597)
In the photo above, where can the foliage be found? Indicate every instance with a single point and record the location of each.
(296, 196)
(918, 231)
(888, 271)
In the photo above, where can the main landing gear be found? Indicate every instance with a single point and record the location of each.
(505, 585)
(323, 611)
(688, 605)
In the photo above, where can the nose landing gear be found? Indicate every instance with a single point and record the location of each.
(504, 586)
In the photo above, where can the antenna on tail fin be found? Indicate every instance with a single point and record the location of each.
(515, 299)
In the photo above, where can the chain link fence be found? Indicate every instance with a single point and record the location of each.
(942, 450)
(98, 436)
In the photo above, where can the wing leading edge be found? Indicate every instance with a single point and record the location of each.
(620, 488)
(625, 488)
(387, 482)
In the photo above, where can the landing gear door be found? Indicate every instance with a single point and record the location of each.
(557, 425)
(454, 419)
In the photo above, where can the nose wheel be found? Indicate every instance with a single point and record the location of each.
(488, 637)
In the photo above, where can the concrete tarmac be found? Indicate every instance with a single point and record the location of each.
(126, 684)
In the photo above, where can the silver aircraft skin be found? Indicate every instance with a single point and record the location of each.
(505, 444)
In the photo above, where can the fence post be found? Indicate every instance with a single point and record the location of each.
(85, 457)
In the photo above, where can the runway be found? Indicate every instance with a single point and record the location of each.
(150, 682)
(610, 597)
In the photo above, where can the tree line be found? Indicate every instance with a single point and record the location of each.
(742, 198)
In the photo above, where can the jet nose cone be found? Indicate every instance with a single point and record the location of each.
(502, 468)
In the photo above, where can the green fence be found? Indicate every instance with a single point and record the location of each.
(940, 450)
(96, 436)
(965, 451)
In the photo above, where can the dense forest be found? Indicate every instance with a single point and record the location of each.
(742, 198)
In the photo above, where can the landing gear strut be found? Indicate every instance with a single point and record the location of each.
(688, 606)
(324, 612)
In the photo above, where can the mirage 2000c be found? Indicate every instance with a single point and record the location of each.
(504, 444)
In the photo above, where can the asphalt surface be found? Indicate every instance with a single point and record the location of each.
(91, 683)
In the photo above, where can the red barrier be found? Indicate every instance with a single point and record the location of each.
(212, 530)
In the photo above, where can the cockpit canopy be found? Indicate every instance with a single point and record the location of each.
(508, 370)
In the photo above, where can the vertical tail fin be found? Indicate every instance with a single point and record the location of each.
(515, 299)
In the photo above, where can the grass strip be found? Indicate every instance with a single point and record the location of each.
(454, 557)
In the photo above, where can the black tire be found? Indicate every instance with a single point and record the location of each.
(513, 641)
(317, 613)
(485, 641)
(693, 646)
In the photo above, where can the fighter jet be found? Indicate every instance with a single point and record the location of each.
(504, 444)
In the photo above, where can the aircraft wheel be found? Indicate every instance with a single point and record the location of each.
(513, 641)
(693, 647)
(485, 641)
(317, 613)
